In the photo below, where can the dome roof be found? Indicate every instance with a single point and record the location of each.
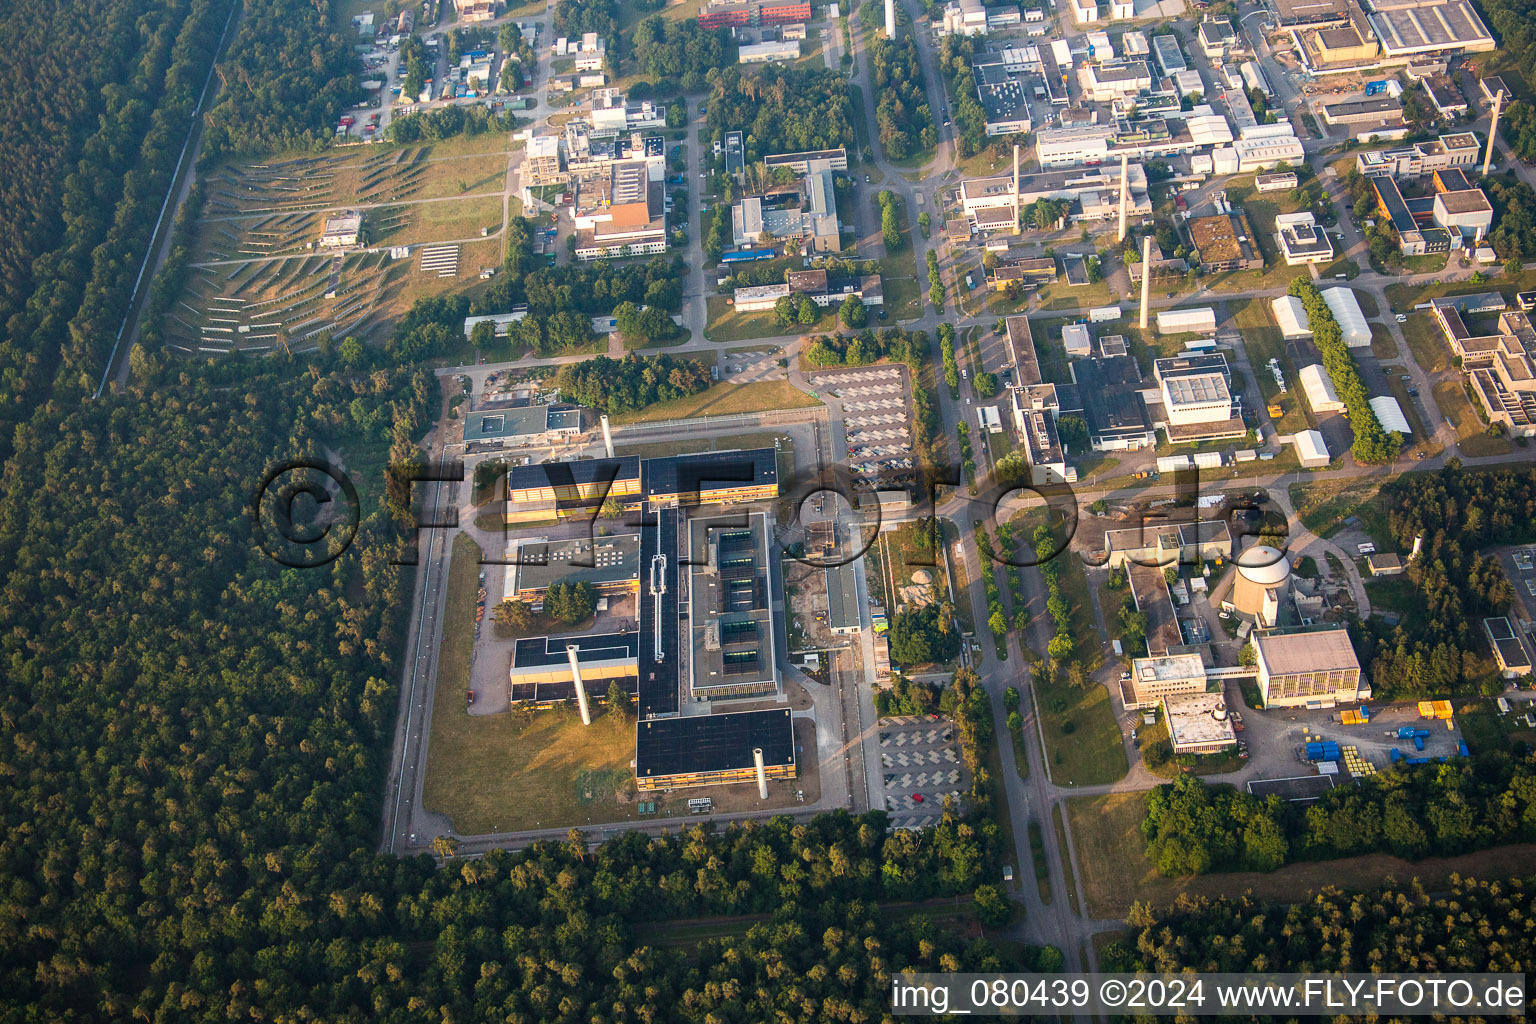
(1264, 564)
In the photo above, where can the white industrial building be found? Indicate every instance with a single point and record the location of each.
(1310, 449)
(1113, 80)
(964, 18)
(1302, 240)
(1078, 144)
(1319, 389)
(1076, 340)
(768, 52)
(1260, 154)
(1346, 310)
(1291, 315)
(1390, 414)
(1196, 398)
(1186, 321)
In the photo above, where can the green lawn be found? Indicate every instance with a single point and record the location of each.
(1037, 854)
(1066, 859)
(903, 298)
(726, 324)
(510, 771)
(1383, 345)
(1091, 753)
(1264, 342)
(759, 396)
(1426, 342)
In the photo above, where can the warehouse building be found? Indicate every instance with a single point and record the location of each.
(712, 750)
(1318, 387)
(1313, 669)
(610, 564)
(540, 673)
(731, 620)
(1390, 415)
(1291, 315)
(1346, 310)
(1198, 723)
(1509, 650)
(521, 424)
(1152, 679)
(843, 618)
(1407, 28)
(1186, 321)
(1311, 450)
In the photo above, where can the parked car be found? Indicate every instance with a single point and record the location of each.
(1401, 318)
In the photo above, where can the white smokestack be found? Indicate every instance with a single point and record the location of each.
(607, 436)
(1418, 542)
(762, 773)
(1015, 186)
(581, 690)
(1493, 129)
(1125, 190)
(1146, 278)
(890, 19)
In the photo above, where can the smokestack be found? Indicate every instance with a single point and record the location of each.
(762, 773)
(581, 690)
(1146, 278)
(890, 19)
(1493, 130)
(1015, 186)
(1418, 542)
(607, 437)
(1125, 190)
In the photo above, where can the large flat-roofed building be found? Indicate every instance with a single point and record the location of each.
(1003, 100)
(1149, 590)
(1315, 669)
(806, 213)
(566, 488)
(1199, 407)
(1365, 110)
(1021, 351)
(1198, 723)
(1112, 80)
(1302, 240)
(541, 667)
(622, 215)
(800, 163)
(541, 162)
(1459, 149)
(730, 613)
(1074, 144)
(1509, 650)
(521, 424)
(1161, 544)
(1349, 43)
(713, 478)
(979, 195)
(843, 616)
(1225, 243)
(1466, 213)
(1109, 390)
(1501, 366)
(710, 750)
(1152, 679)
(1165, 49)
(611, 564)
(1410, 27)
(769, 52)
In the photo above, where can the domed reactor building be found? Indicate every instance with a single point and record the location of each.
(1263, 584)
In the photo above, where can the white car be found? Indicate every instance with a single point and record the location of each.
(1401, 318)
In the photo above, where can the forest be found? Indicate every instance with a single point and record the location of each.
(1514, 217)
(100, 96)
(634, 382)
(680, 51)
(902, 117)
(287, 77)
(1416, 811)
(893, 343)
(1475, 926)
(1457, 512)
(781, 110)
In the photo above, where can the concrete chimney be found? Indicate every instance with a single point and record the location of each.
(581, 690)
(1493, 130)
(890, 19)
(1125, 190)
(1146, 279)
(762, 773)
(1418, 542)
(1016, 186)
(607, 437)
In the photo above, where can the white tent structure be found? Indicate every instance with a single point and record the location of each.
(1291, 315)
(1346, 310)
(1390, 414)
(1310, 449)
(1319, 389)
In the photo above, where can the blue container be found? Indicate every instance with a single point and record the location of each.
(1418, 743)
(1397, 755)
(1421, 732)
(1461, 748)
(1405, 731)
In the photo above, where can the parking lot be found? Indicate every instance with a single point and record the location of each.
(752, 366)
(876, 419)
(921, 763)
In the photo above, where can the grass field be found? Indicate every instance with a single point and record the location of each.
(1037, 856)
(1383, 345)
(758, 396)
(1323, 506)
(726, 324)
(479, 767)
(1092, 753)
(1116, 873)
(1424, 340)
(1264, 342)
(1456, 407)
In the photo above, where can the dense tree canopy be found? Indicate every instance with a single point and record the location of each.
(634, 382)
(1372, 444)
(902, 116)
(781, 110)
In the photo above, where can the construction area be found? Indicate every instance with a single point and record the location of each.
(1365, 740)
(290, 250)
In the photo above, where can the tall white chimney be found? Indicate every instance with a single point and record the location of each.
(890, 19)
(1146, 279)
(1493, 130)
(762, 773)
(607, 436)
(1125, 190)
(1015, 186)
(581, 689)
(1418, 542)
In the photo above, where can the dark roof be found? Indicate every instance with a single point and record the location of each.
(1109, 390)
(701, 744)
(690, 474)
(586, 471)
(546, 650)
(658, 679)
